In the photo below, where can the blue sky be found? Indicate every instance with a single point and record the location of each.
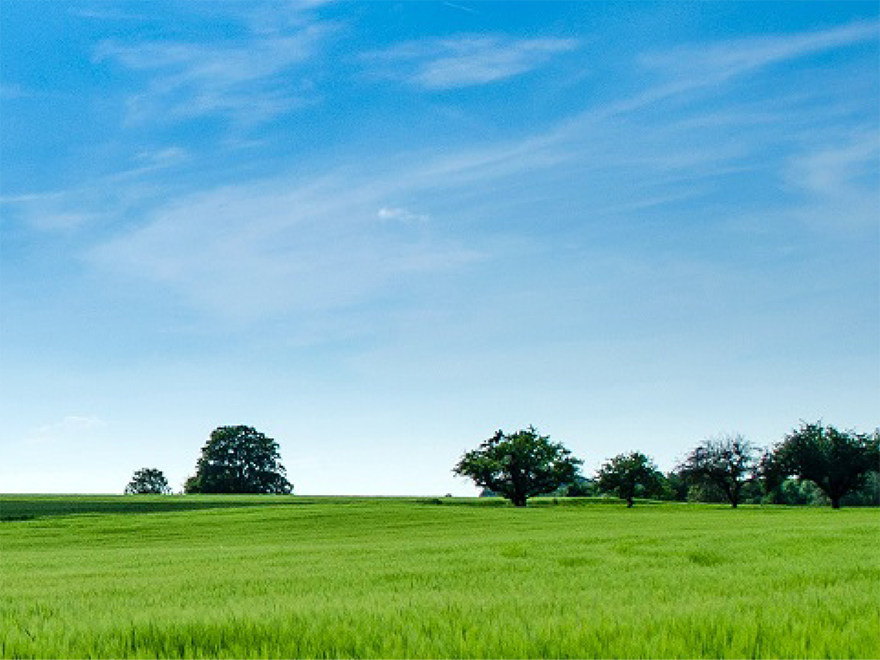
(378, 232)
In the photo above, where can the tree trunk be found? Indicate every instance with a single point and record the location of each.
(835, 502)
(629, 502)
(518, 500)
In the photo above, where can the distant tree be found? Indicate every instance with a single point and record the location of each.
(838, 462)
(580, 486)
(772, 475)
(629, 476)
(867, 495)
(148, 481)
(676, 488)
(726, 463)
(239, 459)
(519, 466)
(797, 492)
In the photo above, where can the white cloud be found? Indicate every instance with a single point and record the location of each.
(715, 62)
(838, 182)
(98, 199)
(464, 8)
(466, 61)
(284, 244)
(401, 215)
(248, 81)
(69, 429)
(13, 92)
(279, 246)
(97, 12)
(164, 157)
(52, 211)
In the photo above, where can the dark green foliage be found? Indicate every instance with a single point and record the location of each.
(629, 476)
(838, 462)
(772, 474)
(726, 464)
(239, 459)
(580, 487)
(519, 466)
(148, 481)
(675, 488)
(867, 495)
(705, 491)
(802, 492)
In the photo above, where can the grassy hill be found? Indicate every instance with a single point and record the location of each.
(212, 576)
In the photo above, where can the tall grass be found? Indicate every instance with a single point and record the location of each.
(321, 577)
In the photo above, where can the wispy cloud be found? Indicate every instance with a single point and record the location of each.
(464, 8)
(280, 246)
(97, 12)
(466, 61)
(291, 244)
(12, 92)
(68, 429)
(717, 61)
(837, 181)
(62, 210)
(397, 214)
(104, 197)
(247, 81)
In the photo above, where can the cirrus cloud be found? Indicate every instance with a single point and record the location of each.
(465, 61)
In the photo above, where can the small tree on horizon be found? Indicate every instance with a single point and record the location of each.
(629, 476)
(239, 459)
(727, 463)
(519, 466)
(148, 481)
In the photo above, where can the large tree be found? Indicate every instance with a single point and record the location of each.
(519, 466)
(239, 459)
(838, 462)
(727, 463)
(629, 476)
(148, 481)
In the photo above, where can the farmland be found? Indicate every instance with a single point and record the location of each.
(266, 576)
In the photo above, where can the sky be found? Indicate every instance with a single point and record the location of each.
(380, 231)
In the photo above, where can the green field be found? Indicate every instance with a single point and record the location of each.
(346, 577)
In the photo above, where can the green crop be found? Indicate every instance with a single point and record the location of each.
(252, 576)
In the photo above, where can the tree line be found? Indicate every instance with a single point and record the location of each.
(814, 464)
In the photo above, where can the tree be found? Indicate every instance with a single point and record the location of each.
(629, 476)
(676, 488)
(580, 487)
(773, 476)
(838, 462)
(239, 459)
(726, 463)
(148, 481)
(519, 466)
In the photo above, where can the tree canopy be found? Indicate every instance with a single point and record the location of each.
(519, 466)
(726, 463)
(239, 459)
(838, 462)
(629, 476)
(148, 481)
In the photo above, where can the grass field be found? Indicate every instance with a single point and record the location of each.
(345, 577)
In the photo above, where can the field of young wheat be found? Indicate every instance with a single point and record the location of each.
(140, 577)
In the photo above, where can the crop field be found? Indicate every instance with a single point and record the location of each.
(203, 576)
